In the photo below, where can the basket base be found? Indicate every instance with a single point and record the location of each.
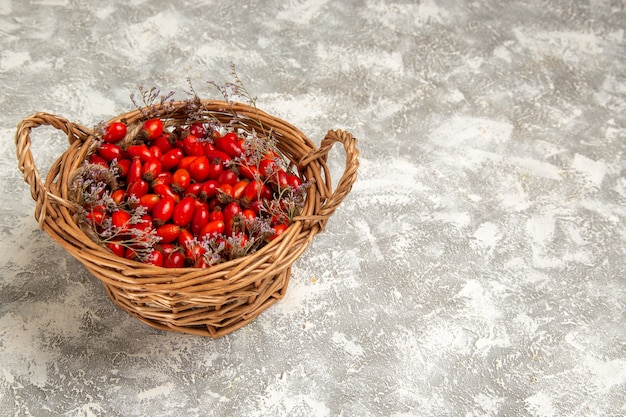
(201, 319)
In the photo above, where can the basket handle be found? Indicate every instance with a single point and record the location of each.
(347, 179)
(25, 161)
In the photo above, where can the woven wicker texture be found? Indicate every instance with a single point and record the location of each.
(213, 301)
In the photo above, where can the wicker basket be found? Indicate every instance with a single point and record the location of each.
(213, 301)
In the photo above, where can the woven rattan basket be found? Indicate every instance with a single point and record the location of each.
(213, 301)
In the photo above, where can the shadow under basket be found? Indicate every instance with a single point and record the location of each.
(212, 301)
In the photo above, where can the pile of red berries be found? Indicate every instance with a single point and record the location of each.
(186, 196)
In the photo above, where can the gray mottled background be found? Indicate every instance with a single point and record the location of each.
(476, 269)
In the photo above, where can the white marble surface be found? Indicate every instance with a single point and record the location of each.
(476, 269)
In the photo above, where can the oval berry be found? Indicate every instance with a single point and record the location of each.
(164, 190)
(135, 170)
(239, 187)
(248, 171)
(180, 180)
(149, 201)
(185, 161)
(194, 189)
(197, 130)
(248, 214)
(199, 168)
(118, 196)
(98, 160)
(209, 189)
(228, 177)
(140, 151)
(96, 216)
(115, 132)
(216, 156)
(216, 215)
(230, 211)
(152, 128)
(229, 144)
(168, 233)
(151, 169)
(294, 181)
(183, 211)
(163, 142)
(199, 219)
(163, 210)
(117, 248)
(185, 238)
(279, 229)
(211, 229)
(163, 178)
(121, 167)
(137, 188)
(174, 260)
(110, 151)
(171, 158)
(120, 219)
(155, 257)
(156, 152)
(193, 146)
